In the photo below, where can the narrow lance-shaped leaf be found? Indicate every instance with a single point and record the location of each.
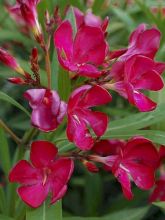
(4, 153)
(7, 98)
(45, 212)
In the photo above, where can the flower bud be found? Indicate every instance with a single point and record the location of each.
(10, 61)
(17, 80)
(91, 167)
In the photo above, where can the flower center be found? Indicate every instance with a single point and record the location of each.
(46, 173)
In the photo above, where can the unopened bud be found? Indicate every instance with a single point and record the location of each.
(91, 167)
(17, 80)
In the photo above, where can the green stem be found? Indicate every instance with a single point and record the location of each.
(10, 132)
(48, 67)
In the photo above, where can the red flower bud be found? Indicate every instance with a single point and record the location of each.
(91, 167)
(10, 61)
(17, 80)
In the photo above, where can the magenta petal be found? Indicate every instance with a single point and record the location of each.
(135, 34)
(160, 67)
(158, 193)
(33, 195)
(58, 193)
(63, 39)
(42, 153)
(153, 41)
(136, 66)
(76, 96)
(92, 20)
(150, 81)
(24, 173)
(142, 175)
(89, 46)
(79, 17)
(88, 70)
(34, 96)
(78, 132)
(63, 169)
(143, 103)
(96, 96)
(97, 120)
(108, 147)
(117, 53)
(123, 179)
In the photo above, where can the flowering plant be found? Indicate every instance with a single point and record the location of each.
(68, 104)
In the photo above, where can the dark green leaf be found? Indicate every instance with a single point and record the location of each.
(7, 98)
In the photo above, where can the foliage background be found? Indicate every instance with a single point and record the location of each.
(92, 195)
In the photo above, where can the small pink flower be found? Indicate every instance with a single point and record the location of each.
(48, 110)
(136, 160)
(15, 13)
(89, 19)
(25, 12)
(8, 60)
(142, 41)
(136, 74)
(80, 116)
(47, 173)
(82, 54)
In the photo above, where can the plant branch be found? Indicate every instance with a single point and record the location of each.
(48, 67)
(10, 132)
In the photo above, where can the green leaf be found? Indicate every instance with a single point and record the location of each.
(7, 98)
(92, 204)
(64, 84)
(125, 18)
(157, 137)
(126, 214)
(55, 71)
(46, 212)
(137, 121)
(71, 17)
(3, 217)
(4, 153)
(159, 204)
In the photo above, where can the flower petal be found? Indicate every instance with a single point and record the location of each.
(34, 96)
(97, 120)
(78, 133)
(123, 179)
(24, 173)
(95, 96)
(63, 39)
(33, 195)
(143, 103)
(89, 46)
(63, 169)
(42, 153)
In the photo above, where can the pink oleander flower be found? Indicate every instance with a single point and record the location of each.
(47, 173)
(142, 41)
(15, 13)
(135, 160)
(80, 116)
(136, 74)
(25, 11)
(8, 60)
(48, 110)
(89, 19)
(158, 193)
(82, 54)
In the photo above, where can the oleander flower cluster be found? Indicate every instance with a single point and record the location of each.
(84, 52)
